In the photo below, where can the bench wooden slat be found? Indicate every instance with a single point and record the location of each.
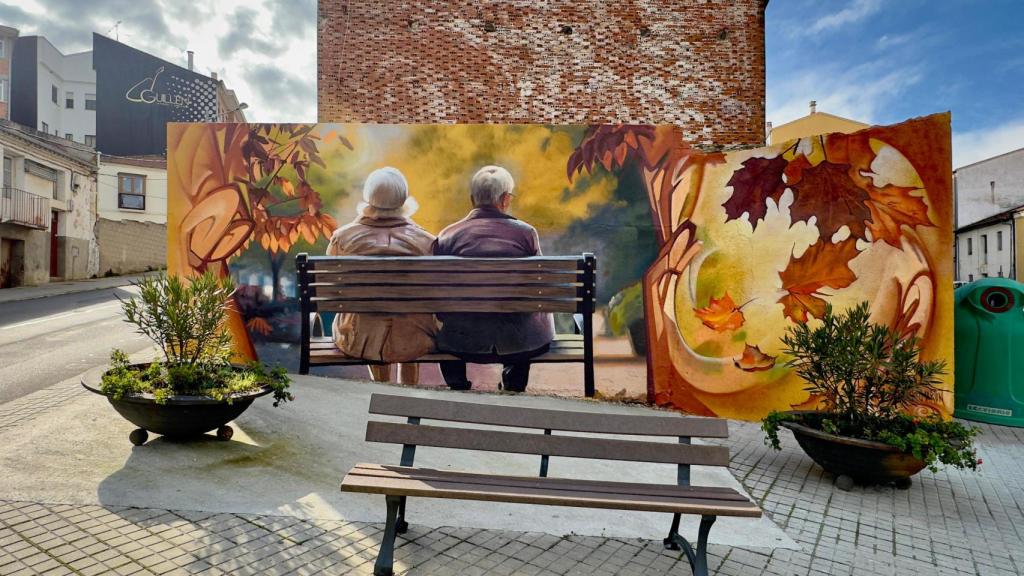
(426, 278)
(567, 484)
(326, 353)
(480, 292)
(523, 443)
(561, 342)
(440, 306)
(356, 482)
(496, 415)
(440, 264)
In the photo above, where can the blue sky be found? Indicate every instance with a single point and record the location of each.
(883, 61)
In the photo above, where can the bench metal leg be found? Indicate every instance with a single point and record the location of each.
(671, 541)
(698, 557)
(386, 557)
(401, 526)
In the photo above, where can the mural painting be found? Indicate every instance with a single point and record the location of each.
(703, 258)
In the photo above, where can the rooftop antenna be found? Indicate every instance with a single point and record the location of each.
(116, 29)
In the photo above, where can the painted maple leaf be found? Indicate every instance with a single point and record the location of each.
(753, 360)
(893, 207)
(752, 185)
(721, 314)
(823, 265)
(827, 192)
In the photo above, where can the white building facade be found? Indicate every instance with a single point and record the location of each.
(988, 248)
(132, 208)
(47, 208)
(988, 187)
(55, 93)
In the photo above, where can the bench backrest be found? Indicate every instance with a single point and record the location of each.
(415, 434)
(431, 284)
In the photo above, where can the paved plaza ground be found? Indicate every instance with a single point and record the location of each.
(947, 523)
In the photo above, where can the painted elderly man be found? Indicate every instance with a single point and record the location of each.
(384, 227)
(486, 338)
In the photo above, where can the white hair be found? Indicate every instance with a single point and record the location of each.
(489, 184)
(386, 194)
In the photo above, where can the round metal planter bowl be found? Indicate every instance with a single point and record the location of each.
(180, 416)
(853, 460)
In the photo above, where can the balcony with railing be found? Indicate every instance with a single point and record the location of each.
(23, 208)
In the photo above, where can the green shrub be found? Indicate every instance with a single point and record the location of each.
(867, 375)
(187, 320)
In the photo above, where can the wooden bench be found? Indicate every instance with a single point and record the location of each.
(433, 284)
(397, 483)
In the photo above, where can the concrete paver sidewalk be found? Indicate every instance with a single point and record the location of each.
(70, 287)
(946, 523)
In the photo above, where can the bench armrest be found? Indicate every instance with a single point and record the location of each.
(316, 325)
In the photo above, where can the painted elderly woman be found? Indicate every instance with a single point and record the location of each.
(383, 228)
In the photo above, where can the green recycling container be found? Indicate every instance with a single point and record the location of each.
(989, 351)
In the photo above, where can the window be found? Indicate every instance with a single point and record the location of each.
(69, 100)
(46, 127)
(53, 93)
(131, 191)
(90, 140)
(90, 101)
(3, 48)
(999, 240)
(970, 277)
(992, 189)
(69, 136)
(970, 242)
(984, 275)
(46, 173)
(984, 248)
(3, 90)
(8, 173)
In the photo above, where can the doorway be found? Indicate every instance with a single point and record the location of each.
(12, 262)
(54, 221)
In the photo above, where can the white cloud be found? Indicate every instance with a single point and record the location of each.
(858, 93)
(275, 34)
(855, 12)
(975, 145)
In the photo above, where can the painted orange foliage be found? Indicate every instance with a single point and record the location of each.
(823, 265)
(753, 360)
(721, 314)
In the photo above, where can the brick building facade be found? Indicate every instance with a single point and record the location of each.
(695, 63)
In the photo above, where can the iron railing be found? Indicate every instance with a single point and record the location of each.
(23, 208)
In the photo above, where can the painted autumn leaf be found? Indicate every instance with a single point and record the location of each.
(827, 192)
(752, 185)
(892, 207)
(721, 314)
(259, 325)
(753, 360)
(823, 265)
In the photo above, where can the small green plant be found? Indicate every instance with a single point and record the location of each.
(867, 375)
(186, 319)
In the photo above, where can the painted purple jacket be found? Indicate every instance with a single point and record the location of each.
(488, 232)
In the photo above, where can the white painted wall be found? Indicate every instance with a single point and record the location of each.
(156, 193)
(973, 263)
(70, 73)
(989, 187)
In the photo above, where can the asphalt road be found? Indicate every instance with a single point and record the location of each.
(47, 340)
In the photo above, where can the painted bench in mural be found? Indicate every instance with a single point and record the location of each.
(437, 284)
(397, 483)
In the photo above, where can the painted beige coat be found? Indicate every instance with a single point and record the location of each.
(383, 337)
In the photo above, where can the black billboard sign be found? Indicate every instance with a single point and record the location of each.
(138, 94)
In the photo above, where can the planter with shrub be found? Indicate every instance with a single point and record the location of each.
(867, 376)
(194, 388)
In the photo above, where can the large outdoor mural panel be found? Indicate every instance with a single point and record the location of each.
(704, 258)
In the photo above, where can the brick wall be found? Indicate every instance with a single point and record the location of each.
(695, 63)
(127, 246)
